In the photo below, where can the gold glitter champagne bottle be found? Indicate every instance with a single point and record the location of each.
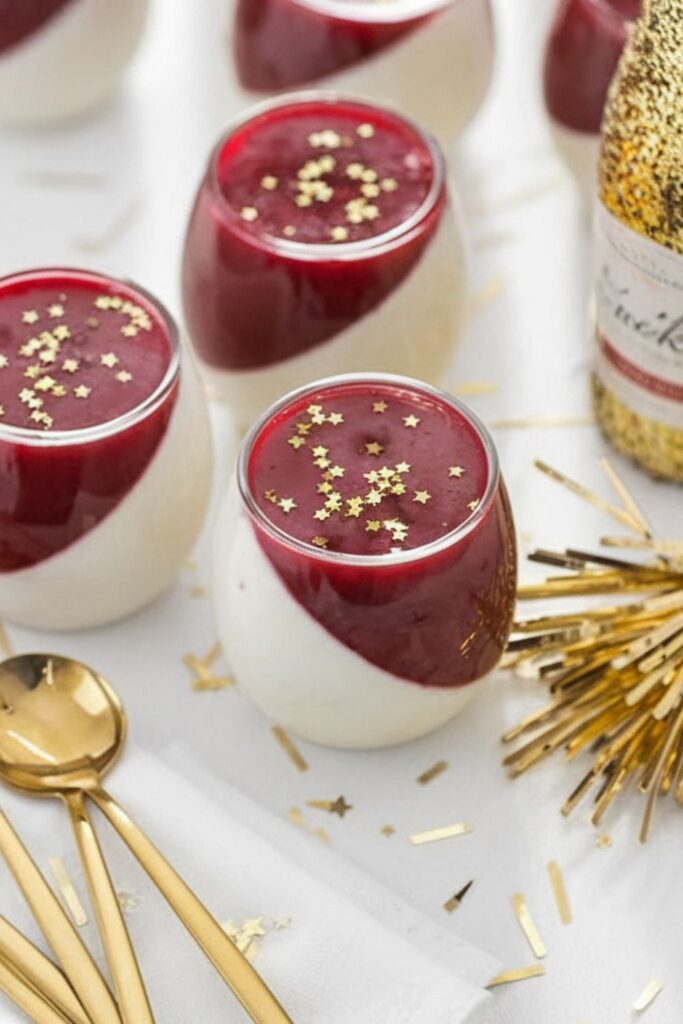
(638, 379)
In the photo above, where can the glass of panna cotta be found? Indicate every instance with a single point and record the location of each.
(323, 239)
(63, 58)
(583, 50)
(433, 59)
(365, 561)
(105, 449)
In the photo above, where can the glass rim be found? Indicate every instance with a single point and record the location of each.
(328, 251)
(343, 558)
(99, 431)
(373, 13)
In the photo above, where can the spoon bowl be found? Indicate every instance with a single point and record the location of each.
(63, 725)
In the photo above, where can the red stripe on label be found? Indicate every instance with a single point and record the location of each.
(655, 385)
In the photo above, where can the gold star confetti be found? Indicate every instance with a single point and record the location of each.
(435, 835)
(249, 213)
(339, 806)
(374, 448)
(455, 471)
(388, 184)
(296, 442)
(402, 467)
(366, 131)
(45, 383)
(127, 902)
(321, 515)
(124, 376)
(518, 974)
(339, 233)
(432, 773)
(130, 331)
(379, 407)
(336, 472)
(292, 752)
(528, 926)
(47, 356)
(109, 359)
(55, 310)
(411, 421)
(335, 418)
(454, 902)
(30, 316)
(320, 451)
(269, 182)
(303, 200)
(373, 525)
(284, 921)
(388, 831)
(70, 365)
(354, 507)
(603, 842)
(68, 891)
(648, 995)
(422, 497)
(82, 391)
(320, 542)
(202, 668)
(26, 394)
(61, 332)
(559, 892)
(474, 505)
(59, 391)
(287, 505)
(289, 231)
(325, 487)
(4, 361)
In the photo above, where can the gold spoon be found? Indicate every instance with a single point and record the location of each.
(66, 730)
(58, 930)
(34, 968)
(32, 1003)
(46, 726)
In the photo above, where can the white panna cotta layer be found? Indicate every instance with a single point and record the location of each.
(580, 152)
(296, 671)
(412, 332)
(438, 74)
(129, 558)
(72, 64)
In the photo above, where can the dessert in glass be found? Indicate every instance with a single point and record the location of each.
(323, 239)
(365, 560)
(586, 41)
(63, 58)
(433, 59)
(105, 449)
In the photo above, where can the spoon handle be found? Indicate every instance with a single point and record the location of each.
(39, 972)
(118, 948)
(25, 996)
(246, 984)
(57, 929)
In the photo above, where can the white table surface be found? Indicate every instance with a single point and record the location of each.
(142, 159)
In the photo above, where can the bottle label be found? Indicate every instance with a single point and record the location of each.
(639, 320)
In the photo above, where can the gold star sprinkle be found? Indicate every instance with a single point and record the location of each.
(338, 806)
(249, 213)
(388, 831)
(55, 310)
(289, 231)
(324, 488)
(335, 418)
(339, 233)
(32, 372)
(336, 471)
(109, 359)
(411, 421)
(402, 467)
(130, 331)
(474, 505)
(46, 356)
(422, 497)
(379, 407)
(373, 525)
(287, 505)
(269, 182)
(374, 448)
(4, 361)
(366, 131)
(70, 365)
(82, 391)
(320, 542)
(124, 376)
(321, 515)
(373, 498)
(45, 383)
(284, 921)
(455, 471)
(30, 316)
(271, 495)
(320, 451)
(59, 391)
(355, 507)
(388, 184)
(61, 332)
(26, 394)
(603, 842)
(303, 200)
(296, 442)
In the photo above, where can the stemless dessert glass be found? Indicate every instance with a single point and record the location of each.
(105, 449)
(365, 560)
(433, 59)
(62, 58)
(586, 41)
(323, 239)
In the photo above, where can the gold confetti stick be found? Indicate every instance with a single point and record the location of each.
(559, 892)
(517, 974)
(432, 773)
(68, 891)
(435, 835)
(648, 995)
(539, 422)
(454, 902)
(620, 514)
(528, 925)
(472, 388)
(294, 755)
